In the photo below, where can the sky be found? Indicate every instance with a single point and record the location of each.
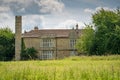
(51, 14)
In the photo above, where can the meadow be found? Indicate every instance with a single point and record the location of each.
(72, 68)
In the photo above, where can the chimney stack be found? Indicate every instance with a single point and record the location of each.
(36, 28)
(18, 28)
(77, 31)
(76, 26)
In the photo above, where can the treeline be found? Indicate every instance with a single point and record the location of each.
(7, 47)
(102, 36)
(7, 44)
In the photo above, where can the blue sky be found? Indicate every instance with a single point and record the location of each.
(51, 14)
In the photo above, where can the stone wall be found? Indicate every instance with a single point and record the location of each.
(61, 48)
(32, 42)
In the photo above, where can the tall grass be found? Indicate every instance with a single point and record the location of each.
(73, 68)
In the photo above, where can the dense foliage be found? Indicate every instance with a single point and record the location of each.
(85, 41)
(106, 36)
(7, 49)
(29, 53)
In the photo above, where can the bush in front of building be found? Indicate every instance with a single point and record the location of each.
(29, 54)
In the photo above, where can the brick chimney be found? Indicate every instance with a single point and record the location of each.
(18, 28)
(36, 28)
(76, 26)
(77, 31)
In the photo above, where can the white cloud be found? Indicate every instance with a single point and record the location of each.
(16, 7)
(7, 20)
(22, 10)
(105, 8)
(68, 24)
(4, 8)
(30, 21)
(67, 20)
(32, 11)
(88, 10)
(17, 1)
(50, 6)
(23, 7)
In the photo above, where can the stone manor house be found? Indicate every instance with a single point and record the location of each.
(52, 43)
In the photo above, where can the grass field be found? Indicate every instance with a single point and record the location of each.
(72, 68)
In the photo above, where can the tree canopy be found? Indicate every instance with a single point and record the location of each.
(7, 49)
(106, 37)
(86, 39)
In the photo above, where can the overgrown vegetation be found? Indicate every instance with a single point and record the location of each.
(29, 53)
(73, 68)
(7, 42)
(85, 41)
(7, 47)
(104, 39)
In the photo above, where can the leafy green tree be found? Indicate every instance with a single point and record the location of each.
(7, 42)
(105, 39)
(107, 24)
(85, 42)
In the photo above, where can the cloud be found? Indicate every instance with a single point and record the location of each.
(88, 10)
(7, 20)
(69, 24)
(50, 6)
(26, 7)
(91, 1)
(4, 9)
(105, 8)
(30, 21)
(33, 12)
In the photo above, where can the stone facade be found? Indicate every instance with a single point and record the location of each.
(52, 44)
(18, 28)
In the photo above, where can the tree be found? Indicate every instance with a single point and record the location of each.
(7, 49)
(85, 41)
(107, 24)
(105, 39)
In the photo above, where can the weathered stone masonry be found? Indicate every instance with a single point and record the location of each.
(52, 43)
(18, 28)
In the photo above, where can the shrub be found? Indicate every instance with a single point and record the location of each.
(29, 53)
